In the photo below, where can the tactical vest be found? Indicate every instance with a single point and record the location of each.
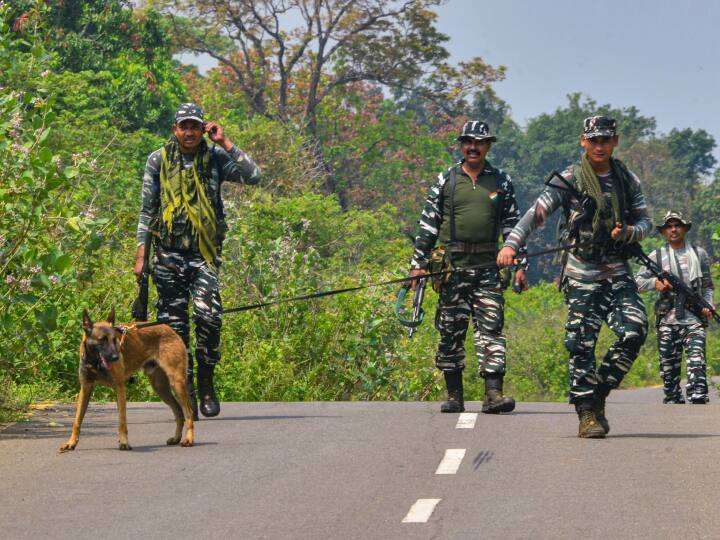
(604, 249)
(182, 238)
(670, 300)
(487, 208)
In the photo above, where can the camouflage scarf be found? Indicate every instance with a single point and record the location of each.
(185, 190)
(589, 183)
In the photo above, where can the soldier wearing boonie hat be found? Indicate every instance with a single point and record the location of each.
(467, 208)
(673, 215)
(678, 328)
(604, 208)
(182, 209)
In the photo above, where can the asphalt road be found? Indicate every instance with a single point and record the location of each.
(352, 470)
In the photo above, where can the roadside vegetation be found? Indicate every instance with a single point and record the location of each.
(349, 139)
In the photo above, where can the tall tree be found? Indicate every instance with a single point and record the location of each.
(693, 149)
(289, 56)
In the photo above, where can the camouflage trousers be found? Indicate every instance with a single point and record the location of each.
(617, 302)
(179, 277)
(476, 294)
(672, 339)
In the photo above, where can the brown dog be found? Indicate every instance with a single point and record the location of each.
(109, 355)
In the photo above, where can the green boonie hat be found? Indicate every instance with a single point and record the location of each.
(672, 214)
(476, 130)
(599, 126)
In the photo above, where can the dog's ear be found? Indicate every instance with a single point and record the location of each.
(111, 316)
(87, 323)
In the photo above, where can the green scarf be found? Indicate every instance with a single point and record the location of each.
(185, 189)
(589, 183)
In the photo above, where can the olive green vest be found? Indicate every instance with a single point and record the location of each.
(471, 217)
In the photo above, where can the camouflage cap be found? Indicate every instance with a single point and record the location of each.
(672, 214)
(599, 126)
(476, 130)
(189, 111)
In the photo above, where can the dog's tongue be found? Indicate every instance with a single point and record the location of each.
(105, 363)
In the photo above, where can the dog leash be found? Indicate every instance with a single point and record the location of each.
(124, 329)
(321, 294)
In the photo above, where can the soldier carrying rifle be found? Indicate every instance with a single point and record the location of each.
(679, 325)
(605, 211)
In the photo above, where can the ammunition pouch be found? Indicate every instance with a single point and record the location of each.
(440, 261)
(662, 308)
(505, 276)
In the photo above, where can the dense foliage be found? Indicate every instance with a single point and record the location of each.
(87, 91)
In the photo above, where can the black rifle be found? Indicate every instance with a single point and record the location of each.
(587, 203)
(140, 305)
(691, 300)
(418, 313)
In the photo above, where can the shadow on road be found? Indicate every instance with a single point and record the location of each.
(155, 447)
(543, 412)
(483, 457)
(663, 435)
(270, 417)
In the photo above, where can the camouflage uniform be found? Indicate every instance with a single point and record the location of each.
(596, 290)
(475, 293)
(179, 270)
(677, 328)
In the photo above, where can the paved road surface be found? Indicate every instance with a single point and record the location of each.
(355, 470)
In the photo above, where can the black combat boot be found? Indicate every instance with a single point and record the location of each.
(589, 427)
(209, 404)
(455, 402)
(495, 402)
(601, 393)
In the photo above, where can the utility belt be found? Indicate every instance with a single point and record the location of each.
(471, 247)
(441, 260)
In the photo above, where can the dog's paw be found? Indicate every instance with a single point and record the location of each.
(186, 442)
(172, 441)
(124, 446)
(67, 447)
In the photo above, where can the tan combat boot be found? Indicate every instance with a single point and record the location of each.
(589, 428)
(495, 402)
(599, 410)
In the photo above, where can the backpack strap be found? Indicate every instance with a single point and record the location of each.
(452, 182)
(501, 193)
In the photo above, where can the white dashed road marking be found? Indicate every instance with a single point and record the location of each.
(466, 420)
(421, 511)
(451, 462)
